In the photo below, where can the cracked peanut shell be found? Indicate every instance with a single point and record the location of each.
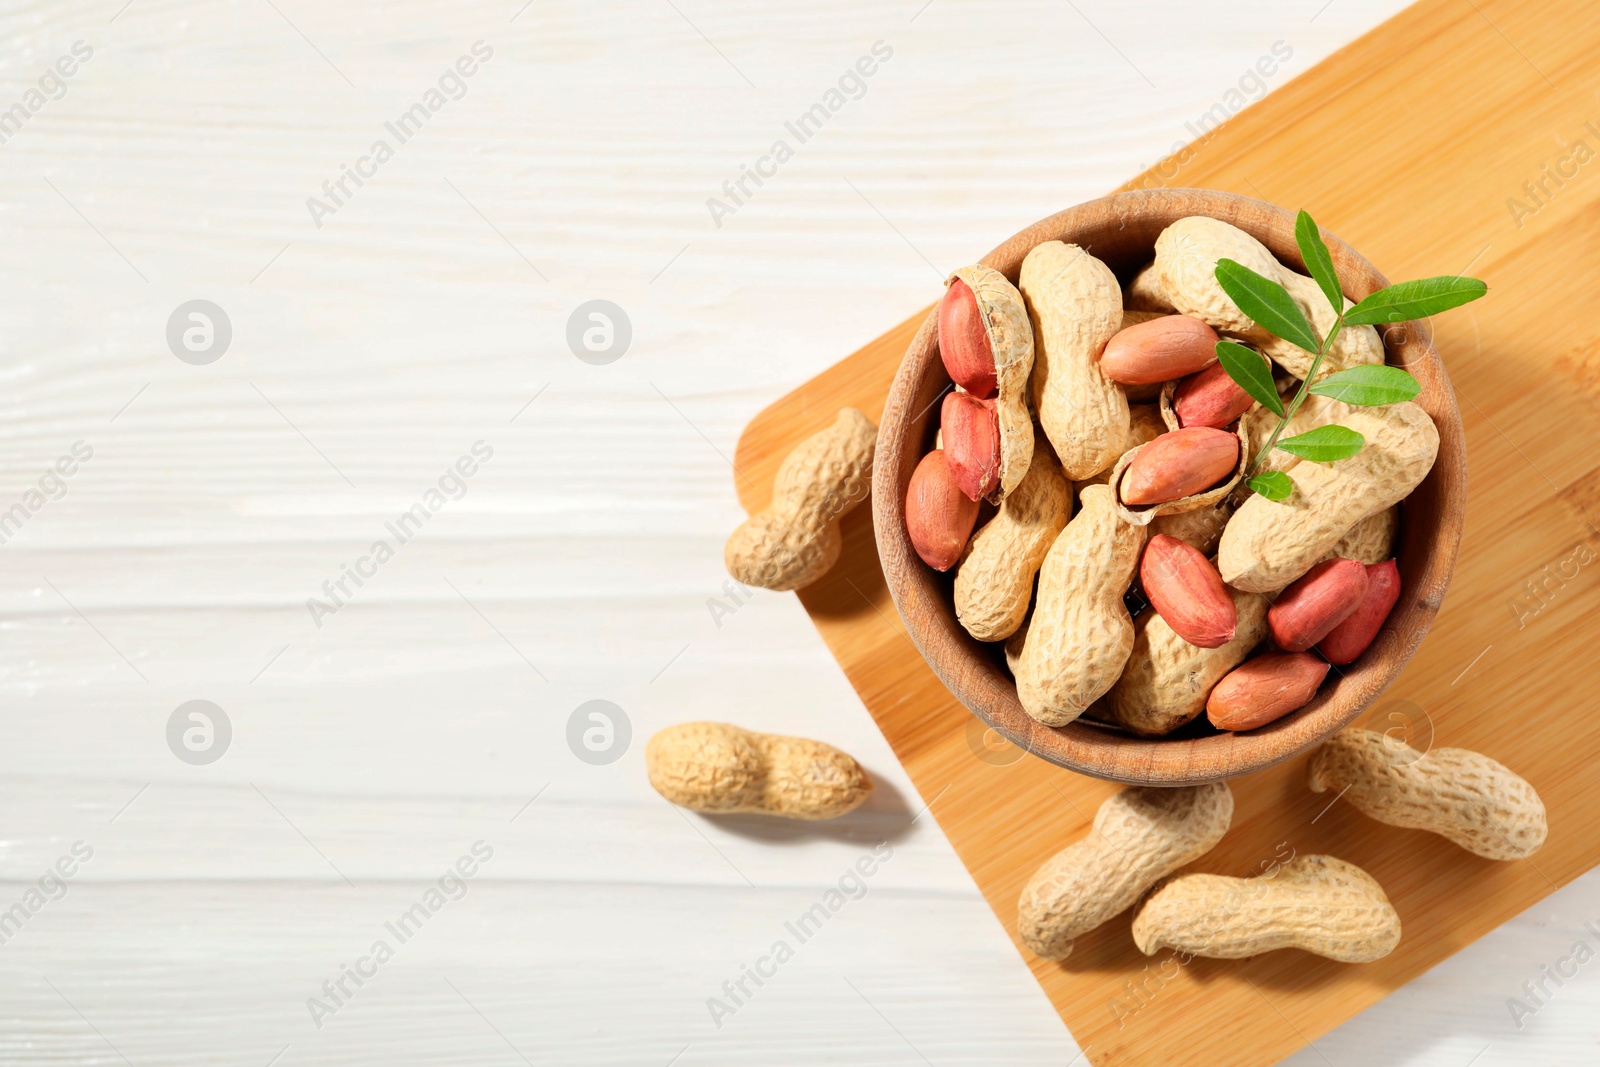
(1005, 320)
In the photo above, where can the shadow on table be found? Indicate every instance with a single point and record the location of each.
(884, 817)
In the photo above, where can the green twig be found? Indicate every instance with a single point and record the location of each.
(1299, 396)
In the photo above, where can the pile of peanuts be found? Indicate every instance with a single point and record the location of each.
(1075, 393)
(1317, 903)
(1070, 387)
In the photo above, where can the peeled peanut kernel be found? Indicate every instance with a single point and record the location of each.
(1210, 398)
(964, 341)
(997, 367)
(1315, 603)
(1345, 642)
(1179, 464)
(939, 516)
(1265, 689)
(1167, 680)
(1159, 350)
(1141, 394)
(723, 769)
(1144, 425)
(970, 433)
(1186, 590)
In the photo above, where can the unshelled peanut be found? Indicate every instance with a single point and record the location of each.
(1186, 262)
(1144, 425)
(1076, 307)
(723, 769)
(1144, 293)
(796, 540)
(1200, 527)
(1133, 316)
(1139, 836)
(994, 584)
(1459, 794)
(1371, 540)
(1080, 634)
(1268, 544)
(1320, 904)
(1167, 679)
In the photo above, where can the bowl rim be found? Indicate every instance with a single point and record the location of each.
(971, 670)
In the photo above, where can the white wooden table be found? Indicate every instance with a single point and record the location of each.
(374, 341)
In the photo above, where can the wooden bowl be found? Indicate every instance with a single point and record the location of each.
(1121, 230)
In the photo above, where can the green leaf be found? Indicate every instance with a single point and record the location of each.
(1324, 444)
(1318, 261)
(1250, 372)
(1274, 485)
(1372, 385)
(1414, 300)
(1266, 302)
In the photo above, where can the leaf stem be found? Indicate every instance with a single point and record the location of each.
(1299, 396)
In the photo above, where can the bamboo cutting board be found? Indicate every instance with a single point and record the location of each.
(1447, 140)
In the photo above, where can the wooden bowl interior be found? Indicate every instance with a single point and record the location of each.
(1121, 230)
